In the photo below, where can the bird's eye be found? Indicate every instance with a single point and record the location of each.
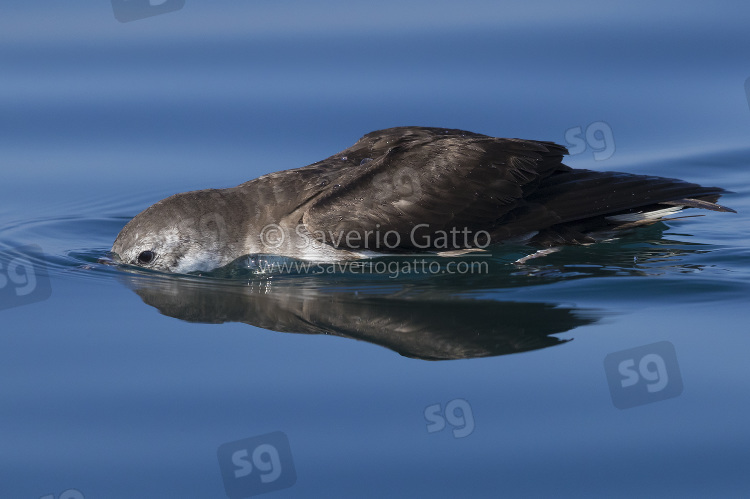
(145, 257)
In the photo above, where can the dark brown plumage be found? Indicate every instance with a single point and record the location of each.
(415, 183)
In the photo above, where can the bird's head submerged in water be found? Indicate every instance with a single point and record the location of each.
(177, 235)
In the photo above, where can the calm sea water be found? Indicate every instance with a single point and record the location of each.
(617, 369)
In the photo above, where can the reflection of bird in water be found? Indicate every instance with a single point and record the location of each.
(407, 189)
(424, 328)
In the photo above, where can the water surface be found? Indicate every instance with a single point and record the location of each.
(127, 384)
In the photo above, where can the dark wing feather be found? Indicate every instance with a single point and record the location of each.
(394, 179)
(582, 198)
(288, 190)
(446, 179)
(579, 193)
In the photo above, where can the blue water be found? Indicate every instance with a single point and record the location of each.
(127, 385)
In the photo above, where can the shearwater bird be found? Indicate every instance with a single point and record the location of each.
(404, 190)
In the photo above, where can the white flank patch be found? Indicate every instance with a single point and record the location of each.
(649, 215)
(538, 254)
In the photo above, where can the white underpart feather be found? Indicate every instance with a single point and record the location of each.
(198, 263)
(649, 215)
(537, 254)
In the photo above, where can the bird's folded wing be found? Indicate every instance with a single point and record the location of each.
(591, 197)
(439, 182)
